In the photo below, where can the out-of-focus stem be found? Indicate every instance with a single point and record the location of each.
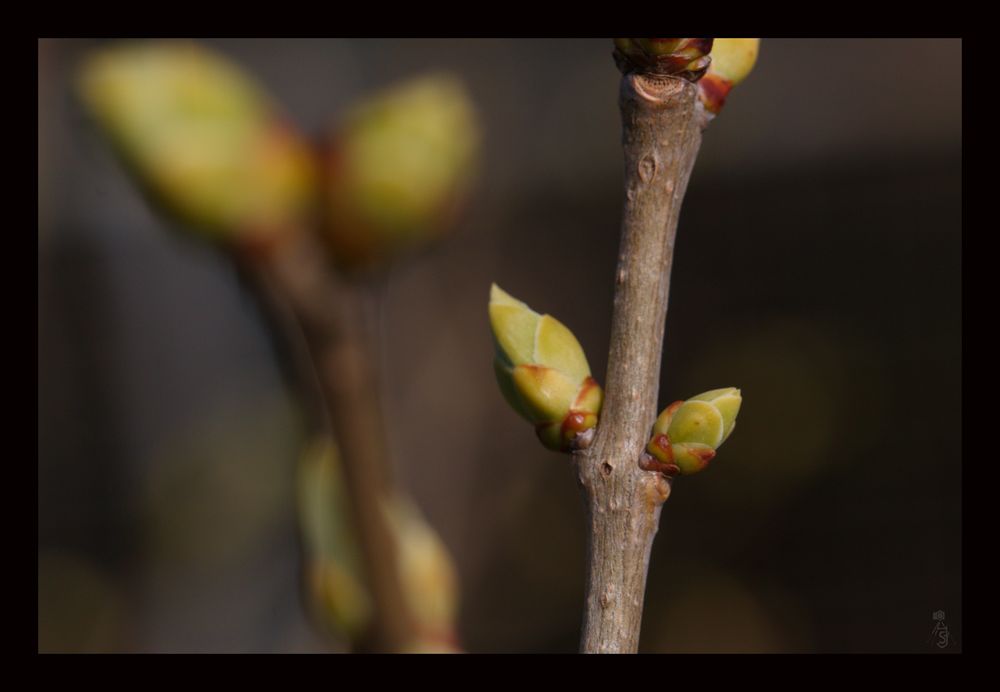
(336, 331)
(290, 343)
(661, 136)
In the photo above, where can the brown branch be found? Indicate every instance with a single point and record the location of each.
(289, 342)
(331, 316)
(661, 123)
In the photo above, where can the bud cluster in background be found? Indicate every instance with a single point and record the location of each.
(216, 154)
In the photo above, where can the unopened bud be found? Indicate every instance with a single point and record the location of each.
(427, 576)
(205, 143)
(543, 372)
(732, 60)
(338, 598)
(677, 57)
(687, 433)
(336, 588)
(398, 169)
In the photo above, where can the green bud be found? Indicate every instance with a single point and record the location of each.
(679, 57)
(398, 170)
(734, 58)
(426, 574)
(687, 433)
(543, 372)
(205, 143)
(732, 61)
(336, 588)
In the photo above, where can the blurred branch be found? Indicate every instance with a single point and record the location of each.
(330, 314)
(308, 230)
(661, 137)
(289, 341)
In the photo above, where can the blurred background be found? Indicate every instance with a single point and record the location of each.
(818, 268)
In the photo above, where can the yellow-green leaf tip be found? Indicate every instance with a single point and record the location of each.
(543, 372)
(732, 61)
(734, 58)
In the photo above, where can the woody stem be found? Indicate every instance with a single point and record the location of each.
(661, 136)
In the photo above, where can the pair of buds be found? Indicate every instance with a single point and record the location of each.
(213, 151)
(544, 375)
(717, 65)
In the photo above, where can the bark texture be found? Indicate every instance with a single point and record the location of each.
(661, 136)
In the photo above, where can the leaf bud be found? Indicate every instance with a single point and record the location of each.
(397, 170)
(732, 61)
(687, 434)
(543, 372)
(205, 143)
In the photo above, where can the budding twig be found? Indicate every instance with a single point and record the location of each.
(661, 136)
(625, 474)
(215, 153)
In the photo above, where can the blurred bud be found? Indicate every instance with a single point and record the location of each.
(543, 372)
(205, 143)
(687, 433)
(430, 646)
(339, 599)
(732, 60)
(336, 591)
(678, 57)
(427, 576)
(398, 170)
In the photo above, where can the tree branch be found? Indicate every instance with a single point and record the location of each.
(331, 316)
(661, 121)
